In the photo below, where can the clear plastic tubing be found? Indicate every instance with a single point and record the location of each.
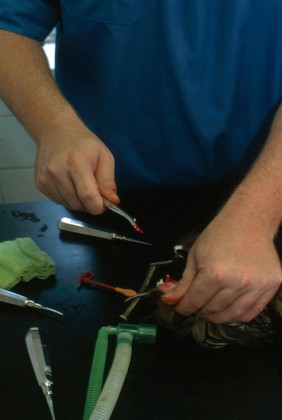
(116, 377)
(100, 404)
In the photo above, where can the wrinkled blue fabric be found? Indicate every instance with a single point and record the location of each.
(183, 92)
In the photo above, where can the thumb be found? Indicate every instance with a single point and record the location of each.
(108, 190)
(105, 178)
(174, 294)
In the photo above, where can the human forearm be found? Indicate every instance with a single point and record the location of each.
(257, 202)
(28, 88)
(259, 197)
(233, 269)
(73, 166)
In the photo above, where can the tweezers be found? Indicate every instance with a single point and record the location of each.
(75, 226)
(111, 206)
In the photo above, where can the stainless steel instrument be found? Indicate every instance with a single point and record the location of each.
(75, 226)
(43, 372)
(15, 299)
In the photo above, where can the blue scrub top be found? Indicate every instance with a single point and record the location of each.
(183, 92)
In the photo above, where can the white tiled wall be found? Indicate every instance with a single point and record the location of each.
(17, 154)
(17, 159)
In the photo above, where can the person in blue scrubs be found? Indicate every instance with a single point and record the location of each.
(153, 94)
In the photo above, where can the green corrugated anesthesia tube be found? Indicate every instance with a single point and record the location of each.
(100, 402)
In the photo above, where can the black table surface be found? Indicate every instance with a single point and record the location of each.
(166, 380)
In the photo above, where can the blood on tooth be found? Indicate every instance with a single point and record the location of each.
(138, 229)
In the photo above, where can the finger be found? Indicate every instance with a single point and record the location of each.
(174, 294)
(166, 287)
(257, 307)
(230, 313)
(181, 288)
(249, 303)
(63, 193)
(66, 195)
(69, 197)
(58, 186)
(105, 178)
(220, 301)
(200, 292)
(86, 190)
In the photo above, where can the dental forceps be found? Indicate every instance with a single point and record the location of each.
(43, 372)
(111, 206)
(15, 299)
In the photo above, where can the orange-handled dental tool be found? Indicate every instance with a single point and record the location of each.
(88, 278)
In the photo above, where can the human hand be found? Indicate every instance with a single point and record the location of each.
(74, 167)
(232, 272)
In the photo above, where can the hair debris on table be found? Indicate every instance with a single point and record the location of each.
(26, 216)
(31, 217)
(43, 228)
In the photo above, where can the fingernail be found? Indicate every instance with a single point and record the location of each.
(166, 287)
(114, 197)
(168, 295)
